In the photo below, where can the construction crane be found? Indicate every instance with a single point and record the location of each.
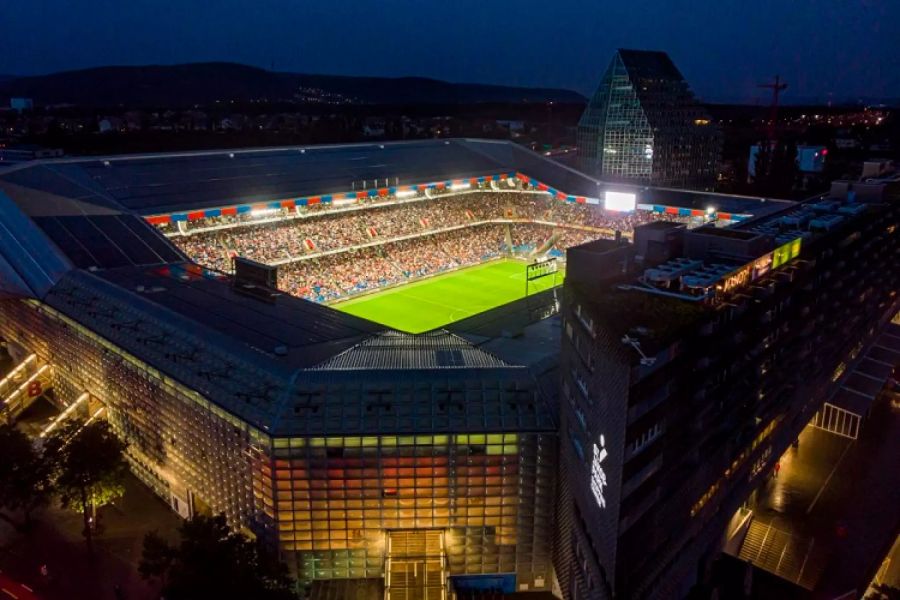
(777, 87)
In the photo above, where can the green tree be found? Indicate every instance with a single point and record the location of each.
(24, 477)
(211, 561)
(89, 467)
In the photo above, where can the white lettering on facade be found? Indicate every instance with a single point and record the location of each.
(598, 475)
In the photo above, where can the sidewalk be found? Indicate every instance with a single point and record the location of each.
(841, 496)
(57, 542)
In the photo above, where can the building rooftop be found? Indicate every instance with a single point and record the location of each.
(74, 239)
(649, 64)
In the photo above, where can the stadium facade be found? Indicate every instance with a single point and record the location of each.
(381, 460)
(643, 124)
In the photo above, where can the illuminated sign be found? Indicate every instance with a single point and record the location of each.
(540, 269)
(762, 265)
(598, 475)
(737, 278)
(619, 201)
(786, 253)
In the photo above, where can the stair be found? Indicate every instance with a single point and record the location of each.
(791, 557)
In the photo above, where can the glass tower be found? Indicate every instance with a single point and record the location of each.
(644, 125)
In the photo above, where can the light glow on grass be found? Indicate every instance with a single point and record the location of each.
(438, 301)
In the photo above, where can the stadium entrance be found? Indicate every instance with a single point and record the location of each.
(416, 565)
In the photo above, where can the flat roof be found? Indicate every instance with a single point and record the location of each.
(159, 183)
(273, 364)
(290, 330)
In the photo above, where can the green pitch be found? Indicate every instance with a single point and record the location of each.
(434, 302)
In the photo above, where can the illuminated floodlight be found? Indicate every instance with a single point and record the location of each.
(262, 212)
(619, 201)
(461, 186)
(710, 210)
(405, 193)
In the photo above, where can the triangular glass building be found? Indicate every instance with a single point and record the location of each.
(643, 124)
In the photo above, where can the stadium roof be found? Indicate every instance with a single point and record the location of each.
(73, 238)
(158, 183)
(148, 184)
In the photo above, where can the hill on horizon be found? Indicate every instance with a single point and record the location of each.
(192, 84)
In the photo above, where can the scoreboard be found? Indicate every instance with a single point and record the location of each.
(541, 268)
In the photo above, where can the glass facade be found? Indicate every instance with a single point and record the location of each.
(336, 497)
(326, 504)
(644, 125)
(615, 139)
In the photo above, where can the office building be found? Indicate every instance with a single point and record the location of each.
(690, 361)
(644, 125)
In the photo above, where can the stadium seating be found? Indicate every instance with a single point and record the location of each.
(330, 253)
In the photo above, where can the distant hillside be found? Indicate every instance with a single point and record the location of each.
(205, 83)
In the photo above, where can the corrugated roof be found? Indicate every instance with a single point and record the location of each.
(391, 382)
(401, 351)
(158, 183)
(85, 225)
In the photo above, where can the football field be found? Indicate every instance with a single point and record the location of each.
(430, 303)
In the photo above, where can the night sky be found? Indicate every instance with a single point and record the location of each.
(847, 48)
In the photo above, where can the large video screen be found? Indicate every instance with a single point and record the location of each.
(619, 201)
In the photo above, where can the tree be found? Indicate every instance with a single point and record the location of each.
(24, 477)
(211, 561)
(90, 468)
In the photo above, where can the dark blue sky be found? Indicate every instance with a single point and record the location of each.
(847, 48)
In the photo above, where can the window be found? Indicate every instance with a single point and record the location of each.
(581, 383)
(638, 444)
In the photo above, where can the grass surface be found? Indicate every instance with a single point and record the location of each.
(434, 302)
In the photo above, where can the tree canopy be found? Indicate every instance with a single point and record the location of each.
(25, 483)
(89, 465)
(211, 561)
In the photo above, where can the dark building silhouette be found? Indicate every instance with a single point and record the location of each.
(644, 125)
(690, 361)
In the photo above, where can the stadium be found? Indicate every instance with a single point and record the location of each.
(350, 351)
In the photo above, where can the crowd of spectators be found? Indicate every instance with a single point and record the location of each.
(328, 252)
(323, 230)
(336, 276)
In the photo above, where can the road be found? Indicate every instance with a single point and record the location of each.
(15, 590)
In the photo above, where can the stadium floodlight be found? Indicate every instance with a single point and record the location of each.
(710, 210)
(619, 201)
(405, 193)
(460, 186)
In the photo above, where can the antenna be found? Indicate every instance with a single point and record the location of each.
(646, 361)
(777, 87)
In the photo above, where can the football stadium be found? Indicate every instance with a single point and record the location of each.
(350, 351)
